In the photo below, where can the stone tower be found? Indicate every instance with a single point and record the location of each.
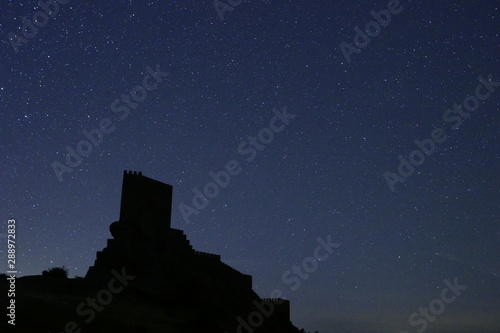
(146, 205)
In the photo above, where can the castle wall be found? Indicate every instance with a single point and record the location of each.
(240, 280)
(281, 308)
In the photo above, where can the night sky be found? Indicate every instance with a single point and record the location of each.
(178, 93)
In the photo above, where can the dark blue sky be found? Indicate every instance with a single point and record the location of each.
(321, 175)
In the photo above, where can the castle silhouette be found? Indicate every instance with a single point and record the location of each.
(171, 273)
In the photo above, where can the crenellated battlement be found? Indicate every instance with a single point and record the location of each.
(278, 300)
(130, 172)
(139, 174)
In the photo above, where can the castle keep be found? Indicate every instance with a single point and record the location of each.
(146, 205)
(167, 268)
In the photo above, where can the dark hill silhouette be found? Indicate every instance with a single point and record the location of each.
(149, 279)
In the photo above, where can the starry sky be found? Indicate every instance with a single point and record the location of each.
(180, 89)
